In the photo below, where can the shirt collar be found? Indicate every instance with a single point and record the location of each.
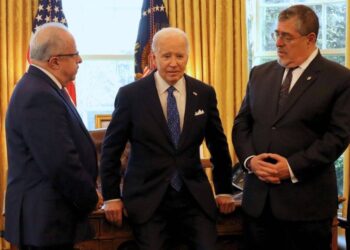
(162, 85)
(52, 77)
(307, 62)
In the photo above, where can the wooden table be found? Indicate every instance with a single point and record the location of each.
(110, 237)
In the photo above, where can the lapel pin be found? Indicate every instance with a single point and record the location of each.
(308, 78)
(194, 93)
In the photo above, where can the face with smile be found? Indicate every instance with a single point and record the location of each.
(293, 48)
(171, 57)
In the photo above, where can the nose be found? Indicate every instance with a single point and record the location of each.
(173, 61)
(279, 41)
(80, 60)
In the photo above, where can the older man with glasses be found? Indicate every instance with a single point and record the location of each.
(293, 124)
(52, 160)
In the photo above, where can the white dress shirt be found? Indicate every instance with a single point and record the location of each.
(179, 94)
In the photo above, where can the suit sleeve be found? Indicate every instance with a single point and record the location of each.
(48, 133)
(217, 145)
(334, 140)
(113, 147)
(242, 130)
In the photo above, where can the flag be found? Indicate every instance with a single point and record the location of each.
(51, 11)
(153, 18)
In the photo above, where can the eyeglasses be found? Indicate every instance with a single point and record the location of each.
(69, 55)
(285, 37)
(65, 55)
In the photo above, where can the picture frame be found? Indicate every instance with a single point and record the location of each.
(102, 120)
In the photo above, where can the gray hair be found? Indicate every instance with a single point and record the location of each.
(307, 20)
(169, 31)
(47, 41)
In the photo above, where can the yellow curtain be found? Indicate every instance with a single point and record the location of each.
(346, 175)
(15, 29)
(218, 52)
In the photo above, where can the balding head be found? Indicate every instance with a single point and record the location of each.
(49, 39)
(166, 33)
(170, 54)
(53, 48)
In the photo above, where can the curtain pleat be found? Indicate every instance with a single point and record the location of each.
(218, 52)
(218, 56)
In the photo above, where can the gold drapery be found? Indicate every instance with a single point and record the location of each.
(346, 176)
(218, 56)
(15, 30)
(218, 52)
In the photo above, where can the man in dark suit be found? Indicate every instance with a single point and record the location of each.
(293, 124)
(52, 160)
(166, 116)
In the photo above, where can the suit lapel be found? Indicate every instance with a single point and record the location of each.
(273, 86)
(74, 111)
(69, 104)
(307, 78)
(153, 103)
(191, 104)
(72, 108)
(47, 79)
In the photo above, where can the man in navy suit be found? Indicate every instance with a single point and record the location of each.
(165, 117)
(293, 124)
(52, 159)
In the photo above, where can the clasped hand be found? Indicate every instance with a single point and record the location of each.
(270, 168)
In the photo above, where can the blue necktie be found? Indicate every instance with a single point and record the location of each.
(174, 128)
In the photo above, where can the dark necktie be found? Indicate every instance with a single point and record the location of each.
(174, 128)
(284, 91)
(66, 96)
(70, 103)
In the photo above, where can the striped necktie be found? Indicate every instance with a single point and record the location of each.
(284, 91)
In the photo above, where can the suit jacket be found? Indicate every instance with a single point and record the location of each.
(139, 118)
(52, 166)
(311, 131)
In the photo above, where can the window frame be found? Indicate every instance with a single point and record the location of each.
(257, 53)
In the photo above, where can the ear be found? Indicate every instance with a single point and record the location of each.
(152, 61)
(312, 37)
(54, 62)
(153, 56)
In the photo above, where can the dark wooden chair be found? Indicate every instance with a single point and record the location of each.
(345, 224)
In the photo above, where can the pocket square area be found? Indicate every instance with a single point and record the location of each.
(199, 112)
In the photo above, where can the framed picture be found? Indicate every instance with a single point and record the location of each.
(102, 120)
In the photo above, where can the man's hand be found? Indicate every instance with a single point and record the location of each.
(281, 166)
(100, 200)
(225, 203)
(270, 168)
(262, 167)
(114, 211)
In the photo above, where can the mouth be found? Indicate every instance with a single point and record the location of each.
(281, 53)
